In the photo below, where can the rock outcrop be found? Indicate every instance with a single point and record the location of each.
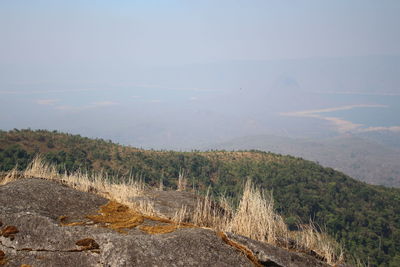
(44, 223)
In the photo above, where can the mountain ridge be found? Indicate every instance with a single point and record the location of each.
(360, 158)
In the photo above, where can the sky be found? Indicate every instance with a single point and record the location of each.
(173, 74)
(186, 32)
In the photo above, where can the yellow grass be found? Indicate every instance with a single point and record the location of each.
(256, 217)
(180, 215)
(182, 180)
(98, 183)
(209, 214)
(10, 176)
(321, 243)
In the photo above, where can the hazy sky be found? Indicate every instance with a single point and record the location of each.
(175, 32)
(130, 70)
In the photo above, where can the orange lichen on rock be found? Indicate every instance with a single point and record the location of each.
(157, 219)
(159, 229)
(87, 243)
(25, 265)
(8, 231)
(73, 223)
(63, 218)
(249, 254)
(63, 222)
(164, 220)
(117, 216)
(2, 258)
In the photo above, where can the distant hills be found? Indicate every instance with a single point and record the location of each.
(362, 158)
(364, 218)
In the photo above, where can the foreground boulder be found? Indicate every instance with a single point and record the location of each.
(44, 223)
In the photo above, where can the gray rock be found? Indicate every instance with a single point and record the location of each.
(270, 255)
(33, 207)
(47, 198)
(168, 203)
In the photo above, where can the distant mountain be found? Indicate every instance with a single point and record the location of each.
(364, 218)
(359, 157)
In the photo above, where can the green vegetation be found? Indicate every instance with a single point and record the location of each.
(360, 158)
(365, 218)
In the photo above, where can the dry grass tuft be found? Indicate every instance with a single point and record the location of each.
(182, 180)
(256, 218)
(99, 183)
(12, 175)
(180, 215)
(40, 169)
(319, 242)
(209, 214)
(161, 186)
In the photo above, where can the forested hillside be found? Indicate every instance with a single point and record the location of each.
(365, 218)
(362, 158)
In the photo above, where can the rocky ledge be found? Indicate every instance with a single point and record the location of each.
(44, 223)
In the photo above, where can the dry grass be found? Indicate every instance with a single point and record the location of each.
(98, 183)
(182, 180)
(319, 242)
(12, 175)
(209, 214)
(180, 215)
(255, 216)
(161, 186)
